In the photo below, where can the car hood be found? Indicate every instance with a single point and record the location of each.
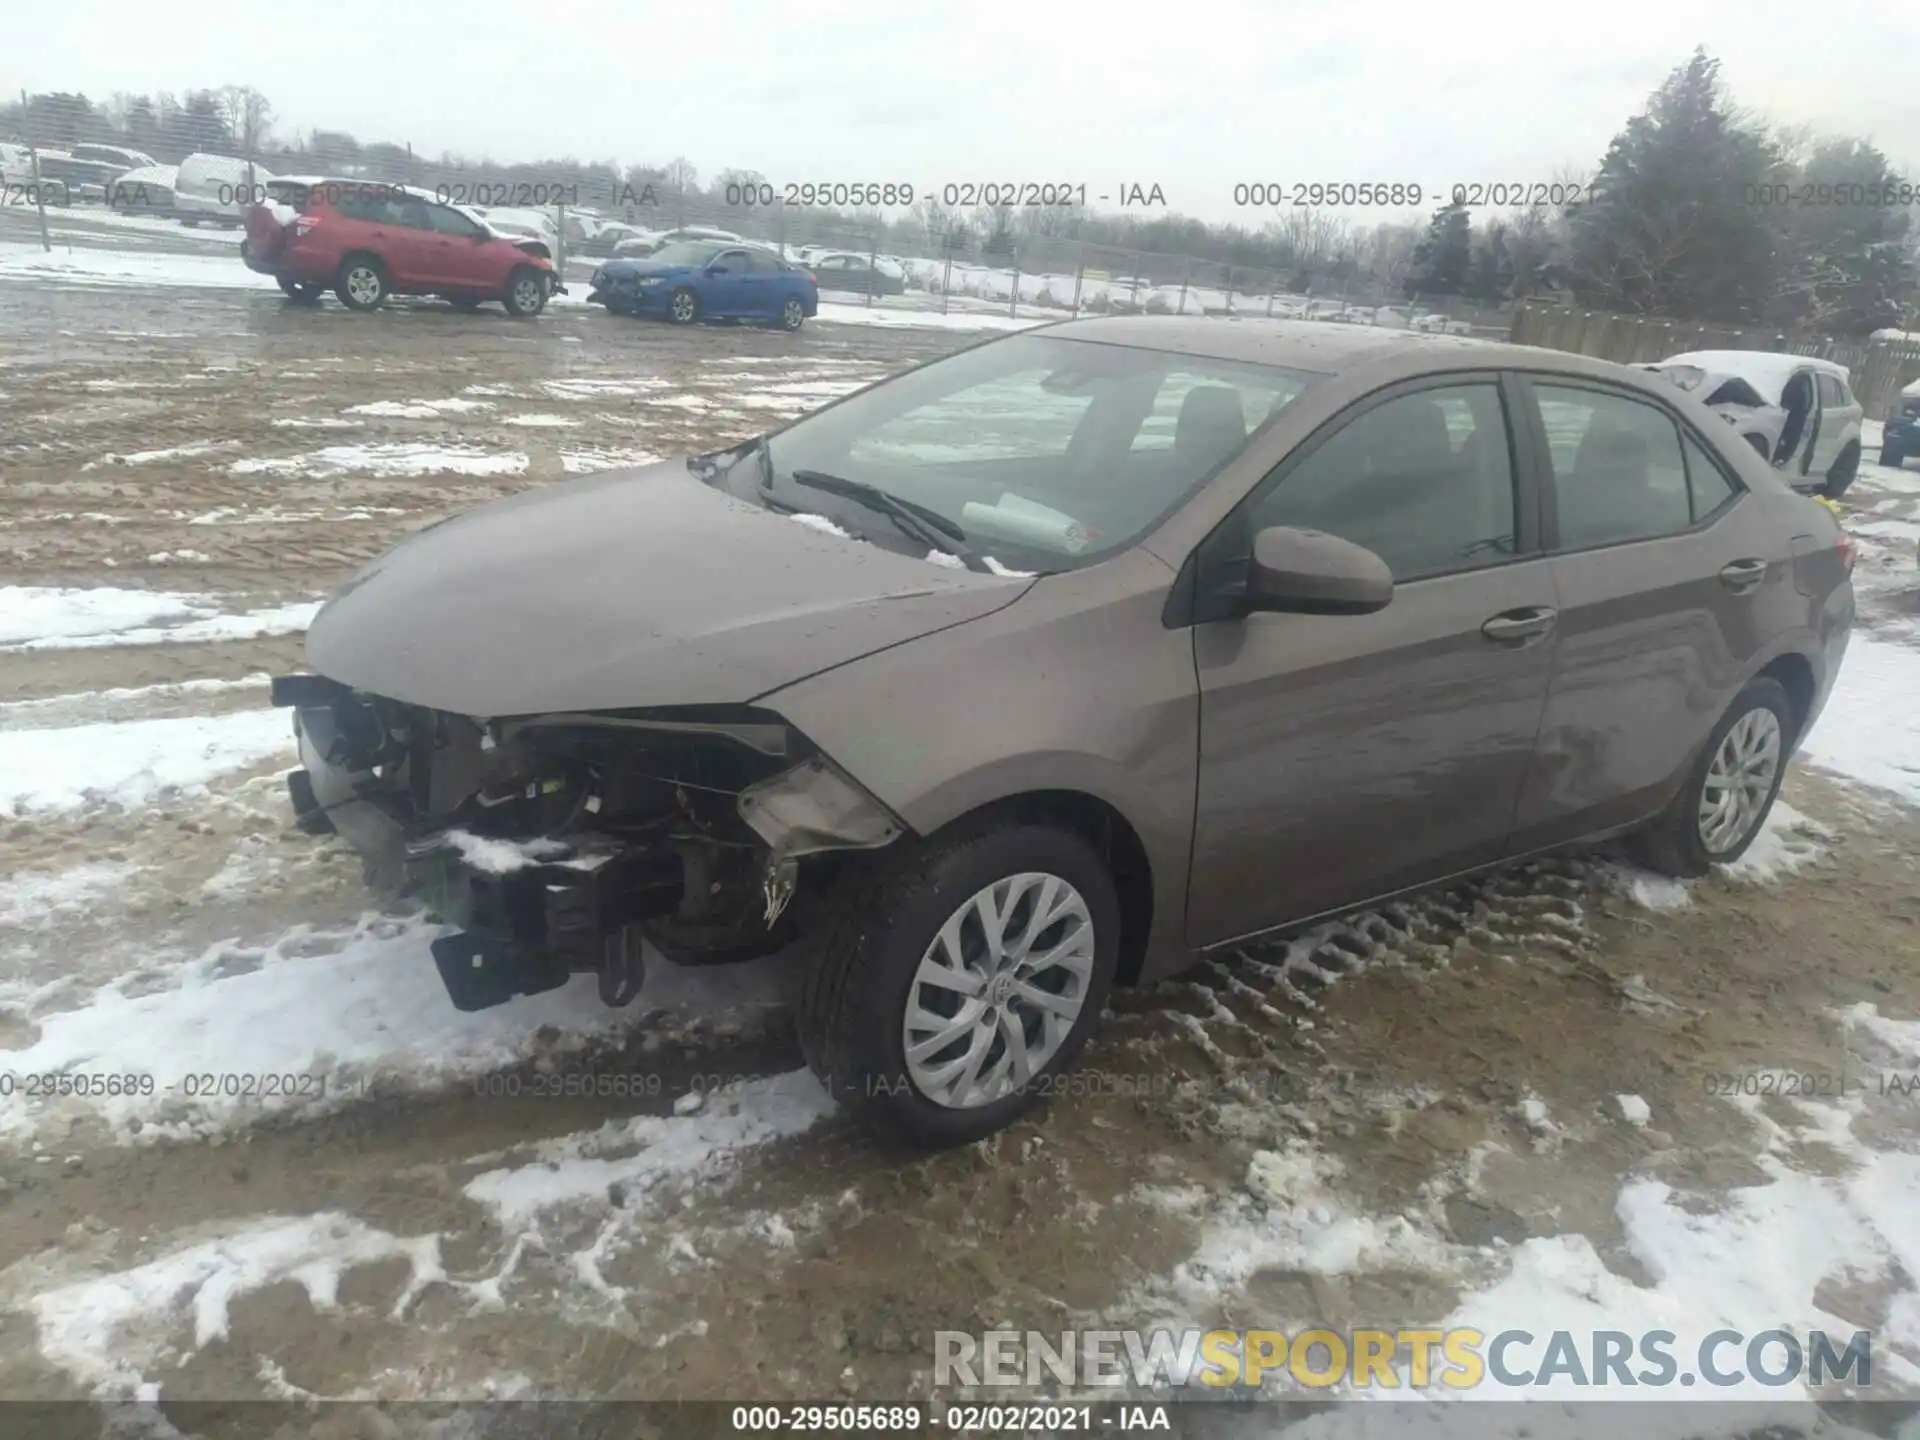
(626, 589)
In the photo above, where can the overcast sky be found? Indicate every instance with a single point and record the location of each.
(1192, 96)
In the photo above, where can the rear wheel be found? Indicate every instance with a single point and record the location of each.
(1842, 473)
(792, 313)
(527, 292)
(362, 284)
(305, 291)
(1727, 795)
(684, 307)
(947, 984)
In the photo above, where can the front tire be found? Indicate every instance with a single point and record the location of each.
(362, 284)
(1728, 794)
(527, 293)
(683, 308)
(948, 983)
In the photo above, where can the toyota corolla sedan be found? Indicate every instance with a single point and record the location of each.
(1053, 665)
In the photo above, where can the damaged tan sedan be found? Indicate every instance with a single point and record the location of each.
(1053, 664)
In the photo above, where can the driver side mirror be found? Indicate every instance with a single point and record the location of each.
(1309, 572)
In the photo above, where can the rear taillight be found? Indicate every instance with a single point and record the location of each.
(303, 224)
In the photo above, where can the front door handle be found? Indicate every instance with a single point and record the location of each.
(1518, 628)
(1743, 575)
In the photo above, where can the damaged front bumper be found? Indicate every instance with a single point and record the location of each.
(559, 844)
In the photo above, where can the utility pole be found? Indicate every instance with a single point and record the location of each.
(39, 190)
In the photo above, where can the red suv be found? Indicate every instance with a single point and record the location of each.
(366, 241)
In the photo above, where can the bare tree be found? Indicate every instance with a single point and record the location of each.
(1390, 254)
(249, 116)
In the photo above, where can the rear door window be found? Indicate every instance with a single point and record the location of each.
(1618, 473)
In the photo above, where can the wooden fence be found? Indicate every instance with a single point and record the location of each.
(1879, 367)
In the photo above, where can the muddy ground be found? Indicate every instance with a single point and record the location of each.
(1418, 1053)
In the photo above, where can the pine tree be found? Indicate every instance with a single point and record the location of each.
(1673, 227)
(1442, 258)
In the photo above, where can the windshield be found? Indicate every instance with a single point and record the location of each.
(686, 252)
(1048, 453)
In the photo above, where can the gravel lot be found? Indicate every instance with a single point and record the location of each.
(1416, 1117)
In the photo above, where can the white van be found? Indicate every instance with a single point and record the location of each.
(215, 188)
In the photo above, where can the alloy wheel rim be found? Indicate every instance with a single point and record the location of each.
(363, 284)
(791, 314)
(998, 990)
(1739, 780)
(683, 307)
(527, 294)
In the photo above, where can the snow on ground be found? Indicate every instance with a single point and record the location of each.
(637, 1152)
(117, 1330)
(128, 763)
(396, 458)
(838, 314)
(1870, 730)
(320, 1018)
(100, 267)
(63, 618)
(418, 409)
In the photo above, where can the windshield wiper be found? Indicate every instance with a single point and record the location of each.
(929, 527)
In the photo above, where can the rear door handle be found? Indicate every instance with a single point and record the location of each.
(1743, 575)
(1519, 628)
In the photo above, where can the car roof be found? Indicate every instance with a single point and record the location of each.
(1319, 348)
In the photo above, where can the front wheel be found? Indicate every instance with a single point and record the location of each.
(948, 985)
(1729, 792)
(526, 293)
(684, 307)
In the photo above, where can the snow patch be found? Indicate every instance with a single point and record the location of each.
(576, 1168)
(1870, 728)
(391, 459)
(131, 762)
(111, 1331)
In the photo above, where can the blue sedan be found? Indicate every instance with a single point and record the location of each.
(693, 280)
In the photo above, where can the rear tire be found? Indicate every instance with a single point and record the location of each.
(1726, 798)
(888, 919)
(683, 307)
(1843, 472)
(527, 292)
(363, 283)
(793, 314)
